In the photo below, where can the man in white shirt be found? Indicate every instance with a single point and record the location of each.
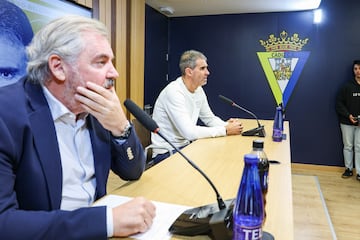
(182, 103)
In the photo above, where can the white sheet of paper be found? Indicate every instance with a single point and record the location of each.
(166, 214)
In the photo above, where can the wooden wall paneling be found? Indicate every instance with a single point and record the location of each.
(122, 52)
(125, 20)
(87, 3)
(137, 45)
(128, 42)
(105, 14)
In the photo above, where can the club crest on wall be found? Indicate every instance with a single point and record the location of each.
(282, 63)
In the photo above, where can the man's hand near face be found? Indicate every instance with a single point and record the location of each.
(104, 105)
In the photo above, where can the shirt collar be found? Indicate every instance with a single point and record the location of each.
(57, 109)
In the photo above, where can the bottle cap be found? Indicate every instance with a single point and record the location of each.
(258, 143)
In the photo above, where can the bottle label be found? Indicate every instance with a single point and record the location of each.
(277, 135)
(247, 233)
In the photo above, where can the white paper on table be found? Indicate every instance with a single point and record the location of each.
(166, 214)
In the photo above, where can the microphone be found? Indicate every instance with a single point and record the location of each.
(258, 131)
(204, 220)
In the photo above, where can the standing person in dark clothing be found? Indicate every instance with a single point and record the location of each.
(348, 110)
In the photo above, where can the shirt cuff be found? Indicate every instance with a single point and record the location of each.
(109, 222)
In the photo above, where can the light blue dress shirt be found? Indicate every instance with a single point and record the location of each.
(77, 160)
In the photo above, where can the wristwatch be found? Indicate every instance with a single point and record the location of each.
(127, 131)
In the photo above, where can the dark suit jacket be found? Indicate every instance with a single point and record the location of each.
(31, 173)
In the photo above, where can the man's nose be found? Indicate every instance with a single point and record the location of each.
(113, 73)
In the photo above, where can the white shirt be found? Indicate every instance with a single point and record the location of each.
(77, 160)
(177, 111)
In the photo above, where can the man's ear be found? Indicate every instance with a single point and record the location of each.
(188, 71)
(56, 66)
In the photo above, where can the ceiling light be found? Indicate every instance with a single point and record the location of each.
(317, 16)
(167, 10)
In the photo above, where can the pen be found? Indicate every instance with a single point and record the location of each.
(274, 162)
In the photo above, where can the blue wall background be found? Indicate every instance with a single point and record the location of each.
(231, 42)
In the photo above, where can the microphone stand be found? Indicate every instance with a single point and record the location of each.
(220, 201)
(211, 220)
(207, 219)
(258, 131)
(214, 221)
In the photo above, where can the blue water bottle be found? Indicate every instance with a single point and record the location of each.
(278, 125)
(282, 119)
(248, 212)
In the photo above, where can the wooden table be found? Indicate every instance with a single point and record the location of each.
(222, 159)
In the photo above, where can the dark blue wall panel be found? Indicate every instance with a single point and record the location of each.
(231, 42)
(156, 49)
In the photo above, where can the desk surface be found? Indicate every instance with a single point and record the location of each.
(175, 181)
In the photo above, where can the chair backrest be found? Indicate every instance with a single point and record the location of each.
(143, 134)
(145, 139)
